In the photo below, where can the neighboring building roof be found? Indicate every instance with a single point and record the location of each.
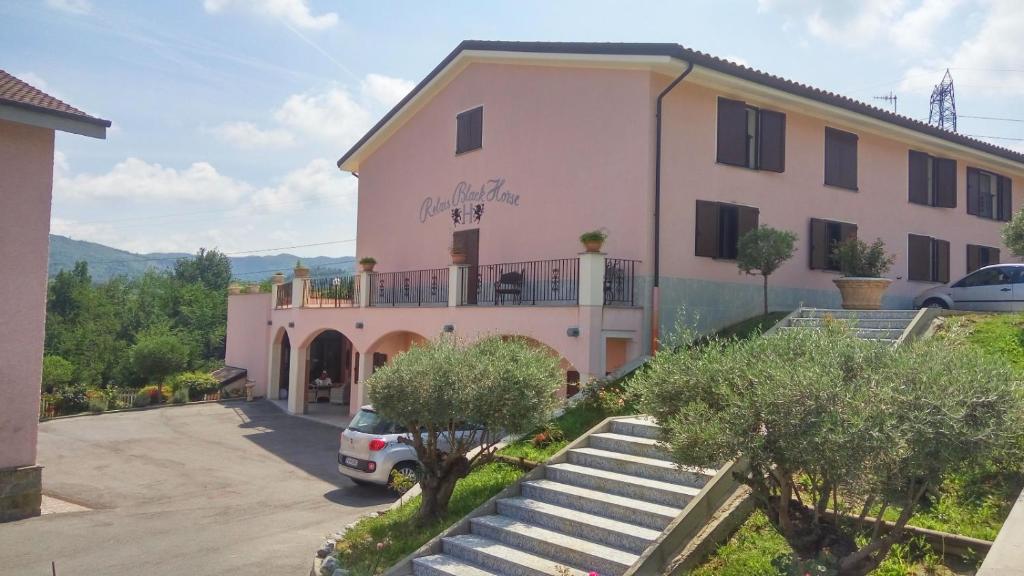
(33, 102)
(699, 59)
(228, 374)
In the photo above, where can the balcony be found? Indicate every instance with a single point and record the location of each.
(559, 282)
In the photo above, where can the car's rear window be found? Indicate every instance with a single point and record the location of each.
(369, 422)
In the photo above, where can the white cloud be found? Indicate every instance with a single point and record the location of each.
(137, 180)
(71, 6)
(915, 29)
(385, 89)
(294, 12)
(247, 135)
(332, 116)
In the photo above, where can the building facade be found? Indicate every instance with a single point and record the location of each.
(28, 120)
(508, 151)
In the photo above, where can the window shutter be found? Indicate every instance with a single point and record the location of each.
(840, 158)
(819, 245)
(973, 257)
(706, 241)
(1005, 198)
(746, 220)
(945, 182)
(847, 231)
(941, 260)
(476, 128)
(919, 257)
(918, 165)
(732, 132)
(973, 198)
(993, 255)
(772, 145)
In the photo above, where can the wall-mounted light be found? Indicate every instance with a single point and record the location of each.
(291, 324)
(449, 328)
(359, 325)
(572, 332)
(270, 322)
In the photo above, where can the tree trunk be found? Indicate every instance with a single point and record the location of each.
(765, 289)
(785, 495)
(437, 487)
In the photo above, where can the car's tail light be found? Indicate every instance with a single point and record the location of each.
(377, 444)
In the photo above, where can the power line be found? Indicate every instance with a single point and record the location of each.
(995, 137)
(993, 118)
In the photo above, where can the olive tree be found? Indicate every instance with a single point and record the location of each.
(828, 422)
(498, 385)
(762, 251)
(1013, 234)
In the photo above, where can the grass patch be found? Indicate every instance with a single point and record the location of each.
(751, 326)
(573, 423)
(357, 551)
(999, 335)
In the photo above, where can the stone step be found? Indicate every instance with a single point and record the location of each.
(652, 468)
(555, 545)
(642, 427)
(860, 314)
(897, 324)
(633, 511)
(445, 565)
(656, 491)
(646, 447)
(865, 333)
(607, 531)
(503, 559)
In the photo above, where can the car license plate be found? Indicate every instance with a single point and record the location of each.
(349, 461)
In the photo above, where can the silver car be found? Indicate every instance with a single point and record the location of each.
(996, 288)
(370, 451)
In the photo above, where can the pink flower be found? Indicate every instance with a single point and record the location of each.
(380, 545)
(593, 574)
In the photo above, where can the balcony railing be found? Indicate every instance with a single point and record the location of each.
(330, 292)
(521, 283)
(619, 285)
(409, 288)
(284, 296)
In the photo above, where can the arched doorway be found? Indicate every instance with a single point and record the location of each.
(280, 366)
(329, 368)
(378, 354)
(570, 375)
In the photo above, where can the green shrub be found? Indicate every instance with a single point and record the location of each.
(196, 384)
(858, 259)
(71, 399)
(151, 392)
(57, 373)
(142, 399)
(180, 396)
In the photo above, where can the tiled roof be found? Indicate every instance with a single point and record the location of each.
(699, 59)
(16, 92)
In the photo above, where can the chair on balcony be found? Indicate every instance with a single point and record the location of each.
(614, 282)
(509, 284)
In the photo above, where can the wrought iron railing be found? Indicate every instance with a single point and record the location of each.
(410, 288)
(521, 283)
(619, 285)
(330, 292)
(284, 295)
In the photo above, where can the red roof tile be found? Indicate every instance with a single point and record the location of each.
(18, 93)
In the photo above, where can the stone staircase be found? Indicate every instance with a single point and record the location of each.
(886, 326)
(596, 507)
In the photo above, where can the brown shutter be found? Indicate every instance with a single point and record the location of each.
(973, 257)
(476, 128)
(732, 132)
(819, 245)
(1005, 198)
(919, 257)
(945, 182)
(840, 158)
(746, 220)
(941, 260)
(706, 241)
(993, 255)
(918, 167)
(847, 231)
(772, 144)
(973, 199)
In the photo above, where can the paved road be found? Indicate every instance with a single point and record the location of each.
(230, 488)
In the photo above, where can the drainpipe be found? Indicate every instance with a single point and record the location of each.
(656, 290)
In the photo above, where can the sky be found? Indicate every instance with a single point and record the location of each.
(229, 115)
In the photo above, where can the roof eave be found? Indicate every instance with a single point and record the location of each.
(53, 119)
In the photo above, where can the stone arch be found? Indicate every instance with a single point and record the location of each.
(280, 360)
(571, 375)
(377, 354)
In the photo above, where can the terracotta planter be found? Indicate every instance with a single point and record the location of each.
(234, 289)
(458, 258)
(367, 267)
(277, 278)
(862, 293)
(301, 272)
(593, 245)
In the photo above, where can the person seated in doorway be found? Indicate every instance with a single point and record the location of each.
(323, 383)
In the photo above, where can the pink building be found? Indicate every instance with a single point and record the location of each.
(28, 120)
(509, 151)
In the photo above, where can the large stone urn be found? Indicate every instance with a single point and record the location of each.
(862, 293)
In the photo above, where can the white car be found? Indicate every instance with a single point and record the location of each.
(996, 288)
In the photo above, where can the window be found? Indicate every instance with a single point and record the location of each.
(981, 256)
(928, 259)
(932, 180)
(719, 227)
(469, 130)
(751, 137)
(989, 195)
(825, 234)
(840, 158)
(991, 277)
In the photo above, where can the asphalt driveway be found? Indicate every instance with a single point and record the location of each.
(233, 488)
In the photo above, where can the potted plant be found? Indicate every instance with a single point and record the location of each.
(862, 285)
(593, 240)
(301, 270)
(458, 255)
(367, 263)
(234, 288)
(277, 278)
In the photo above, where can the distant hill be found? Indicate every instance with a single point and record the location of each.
(106, 262)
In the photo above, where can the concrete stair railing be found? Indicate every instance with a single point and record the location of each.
(601, 505)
